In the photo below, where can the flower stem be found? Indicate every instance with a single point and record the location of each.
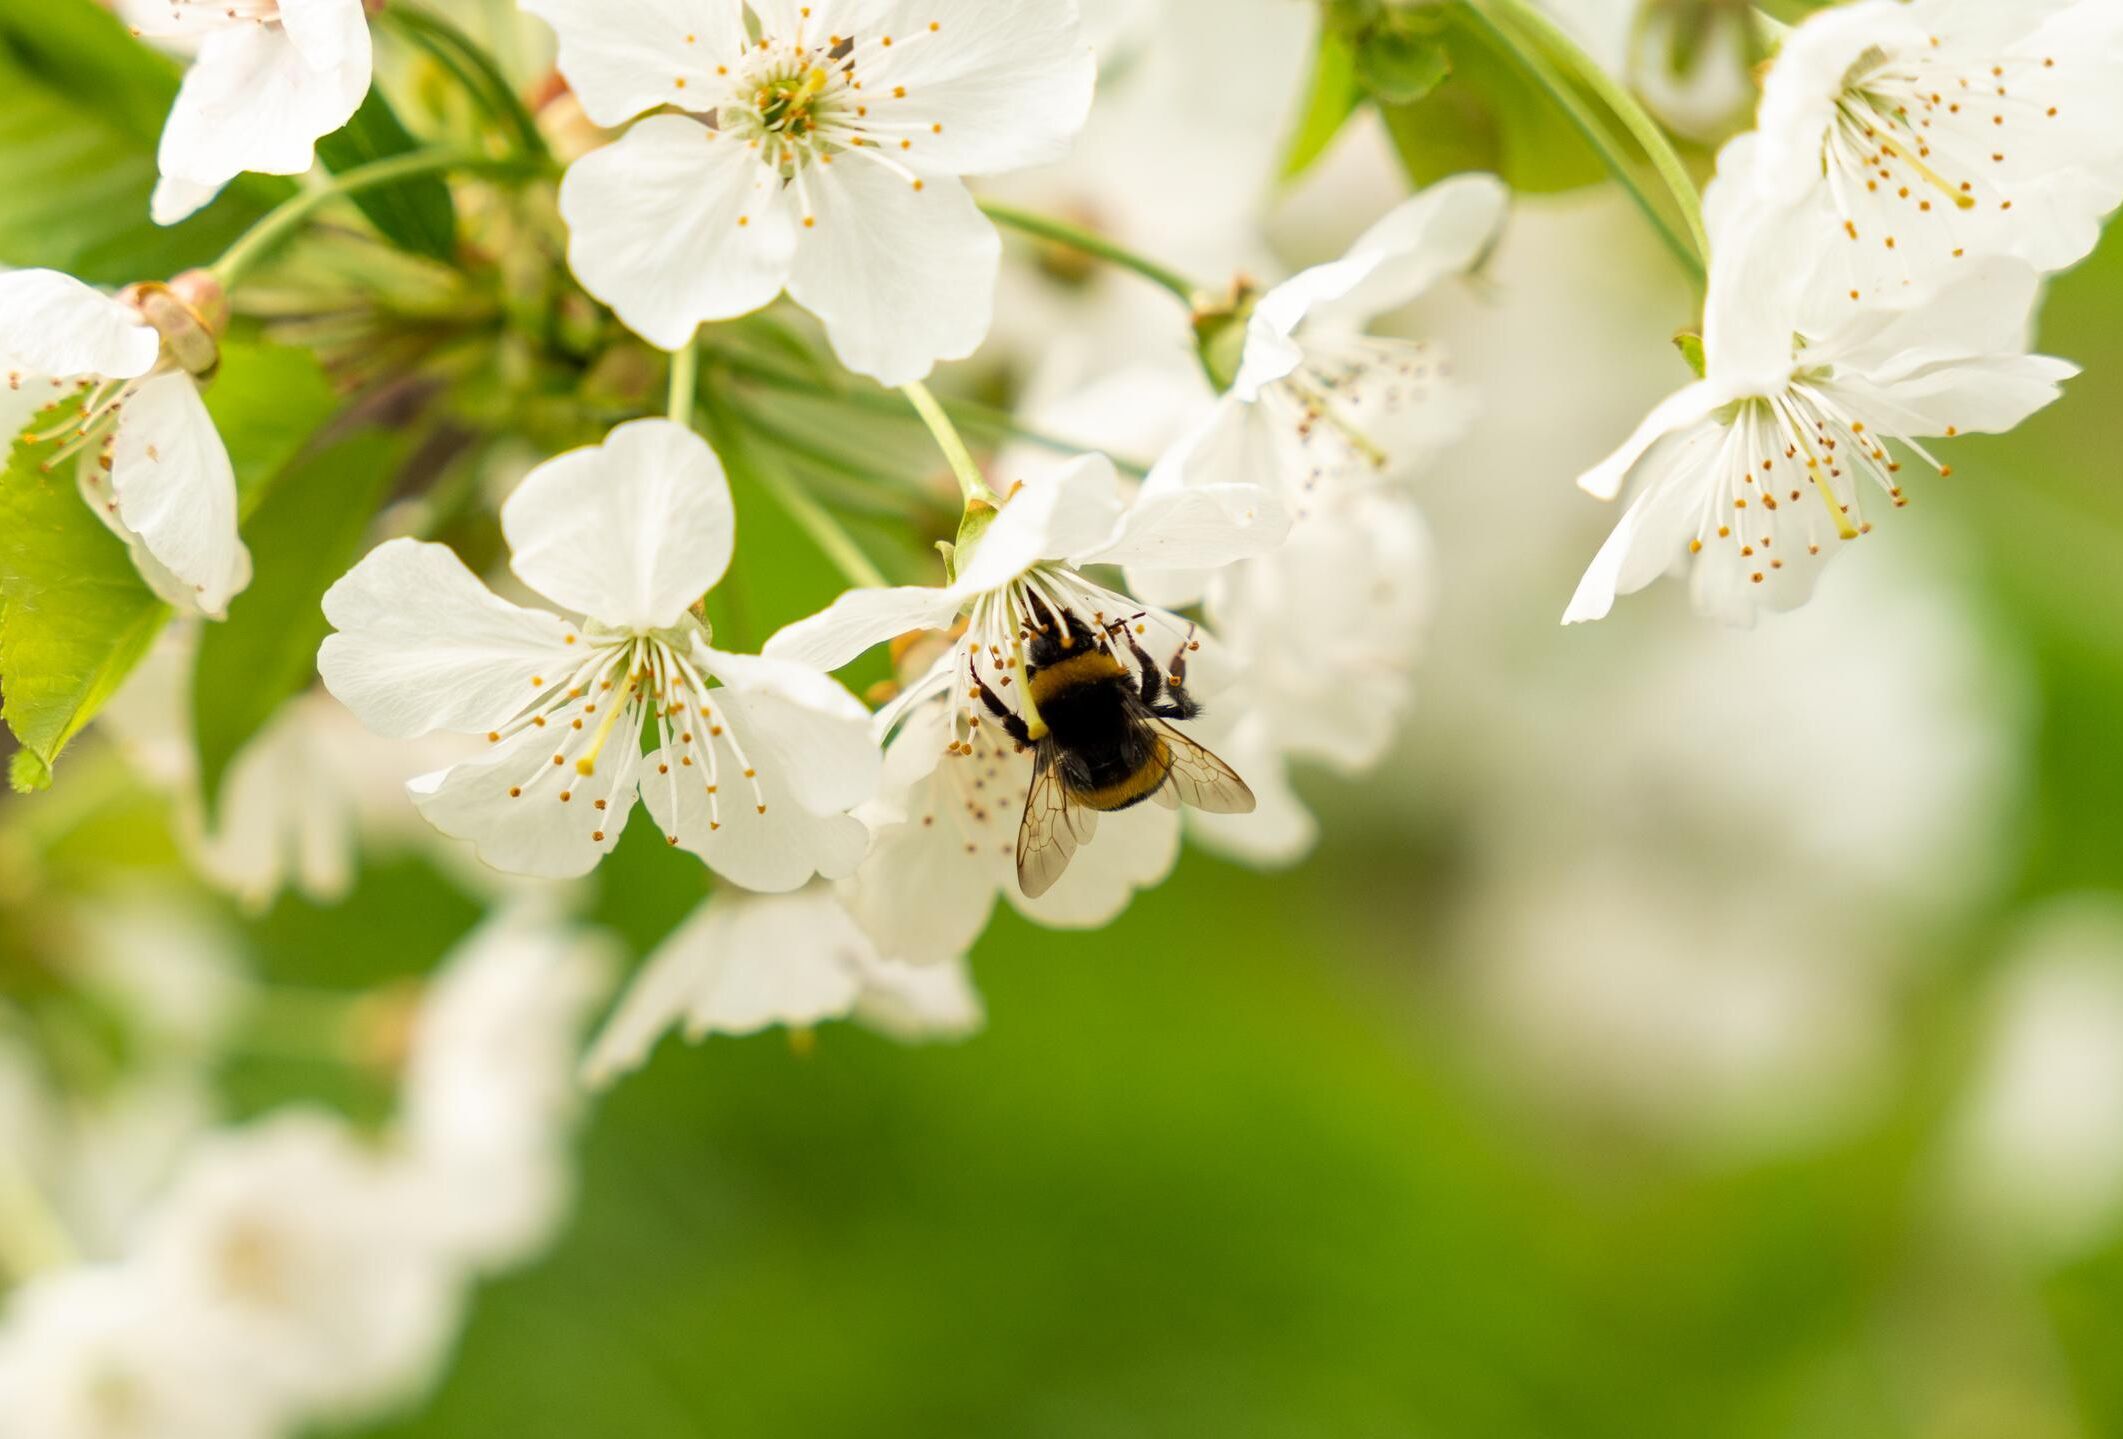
(461, 55)
(1647, 132)
(971, 415)
(259, 242)
(685, 383)
(820, 523)
(1532, 58)
(972, 484)
(1075, 237)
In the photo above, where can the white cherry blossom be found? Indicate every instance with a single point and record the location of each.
(822, 158)
(1901, 143)
(746, 962)
(1025, 576)
(269, 79)
(1753, 477)
(756, 762)
(116, 379)
(303, 1242)
(96, 1353)
(490, 1096)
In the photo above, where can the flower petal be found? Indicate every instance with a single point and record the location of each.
(802, 723)
(674, 225)
(253, 102)
(56, 328)
(1203, 528)
(1008, 81)
(1683, 408)
(902, 272)
(175, 489)
(424, 646)
(1653, 535)
(630, 532)
(758, 837)
(860, 620)
(1071, 510)
(622, 57)
(916, 1002)
(510, 805)
(328, 33)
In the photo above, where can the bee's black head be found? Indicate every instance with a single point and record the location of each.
(1051, 636)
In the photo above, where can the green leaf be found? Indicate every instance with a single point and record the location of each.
(1490, 116)
(268, 401)
(1331, 100)
(1400, 67)
(85, 106)
(74, 616)
(417, 214)
(303, 538)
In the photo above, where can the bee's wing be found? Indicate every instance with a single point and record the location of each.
(1201, 779)
(1052, 827)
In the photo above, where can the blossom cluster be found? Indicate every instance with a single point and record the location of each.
(1877, 250)
(1105, 658)
(258, 1281)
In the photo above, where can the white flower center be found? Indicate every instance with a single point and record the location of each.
(1343, 403)
(1778, 448)
(1918, 138)
(626, 684)
(815, 98)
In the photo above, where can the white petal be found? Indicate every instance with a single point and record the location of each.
(1072, 510)
(1010, 82)
(916, 1002)
(176, 201)
(1440, 232)
(1676, 412)
(252, 102)
(630, 532)
(860, 620)
(1654, 532)
(752, 830)
(1280, 831)
(424, 646)
(674, 225)
(1195, 529)
(1133, 850)
(328, 33)
(902, 273)
(622, 57)
(508, 804)
(924, 891)
(802, 723)
(176, 490)
(55, 327)
(1236, 443)
(1443, 231)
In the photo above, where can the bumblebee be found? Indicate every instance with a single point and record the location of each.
(1101, 738)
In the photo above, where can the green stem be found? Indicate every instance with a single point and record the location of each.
(1060, 232)
(972, 484)
(685, 383)
(820, 523)
(277, 227)
(1650, 137)
(967, 413)
(461, 55)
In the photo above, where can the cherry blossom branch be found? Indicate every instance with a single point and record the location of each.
(1538, 35)
(475, 70)
(972, 484)
(259, 242)
(1060, 232)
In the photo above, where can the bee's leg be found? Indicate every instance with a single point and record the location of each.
(1013, 724)
(1179, 704)
(1043, 618)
